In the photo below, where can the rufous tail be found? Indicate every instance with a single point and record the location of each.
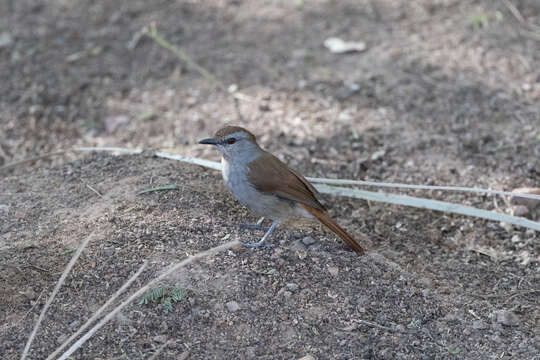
(323, 217)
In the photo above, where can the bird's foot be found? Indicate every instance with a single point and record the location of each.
(257, 226)
(265, 237)
(253, 227)
(257, 245)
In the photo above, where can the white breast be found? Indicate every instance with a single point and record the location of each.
(235, 177)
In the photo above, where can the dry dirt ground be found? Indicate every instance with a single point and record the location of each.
(447, 93)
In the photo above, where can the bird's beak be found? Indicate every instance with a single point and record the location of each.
(209, 141)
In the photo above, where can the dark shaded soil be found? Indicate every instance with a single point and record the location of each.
(447, 93)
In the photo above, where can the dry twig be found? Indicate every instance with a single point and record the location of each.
(392, 198)
(55, 291)
(152, 33)
(36, 303)
(142, 290)
(100, 310)
(35, 158)
(159, 351)
(375, 325)
(94, 190)
(513, 9)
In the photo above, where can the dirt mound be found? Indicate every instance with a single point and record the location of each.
(295, 299)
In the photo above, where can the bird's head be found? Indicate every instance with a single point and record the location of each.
(234, 143)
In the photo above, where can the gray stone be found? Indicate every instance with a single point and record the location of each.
(334, 271)
(298, 245)
(5, 40)
(520, 210)
(292, 287)
(232, 306)
(308, 240)
(74, 324)
(480, 325)
(162, 339)
(506, 317)
(61, 338)
(30, 294)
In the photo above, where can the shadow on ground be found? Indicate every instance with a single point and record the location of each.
(447, 93)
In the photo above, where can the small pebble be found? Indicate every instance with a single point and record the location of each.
(298, 245)
(196, 311)
(162, 339)
(61, 338)
(479, 325)
(292, 287)
(307, 357)
(75, 324)
(506, 226)
(334, 271)
(232, 306)
(285, 293)
(4, 208)
(529, 203)
(515, 239)
(5, 40)
(308, 240)
(506, 317)
(520, 210)
(30, 294)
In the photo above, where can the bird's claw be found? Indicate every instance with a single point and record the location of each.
(253, 227)
(257, 245)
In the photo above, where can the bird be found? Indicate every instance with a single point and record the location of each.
(267, 186)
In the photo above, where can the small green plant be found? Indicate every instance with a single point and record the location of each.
(164, 295)
(484, 20)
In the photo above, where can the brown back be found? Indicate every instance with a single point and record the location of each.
(269, 175)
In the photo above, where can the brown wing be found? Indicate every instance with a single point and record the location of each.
(269, 175)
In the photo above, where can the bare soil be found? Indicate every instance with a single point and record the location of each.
(447, 93)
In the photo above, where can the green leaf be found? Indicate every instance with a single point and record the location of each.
(67, 252)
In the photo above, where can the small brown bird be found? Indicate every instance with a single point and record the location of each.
(267, 186)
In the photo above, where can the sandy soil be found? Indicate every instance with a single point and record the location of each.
(447, 93)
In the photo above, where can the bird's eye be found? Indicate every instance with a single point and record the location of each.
(231, 141)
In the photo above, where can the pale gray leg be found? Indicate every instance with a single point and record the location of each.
(256, 226)
(264, 238)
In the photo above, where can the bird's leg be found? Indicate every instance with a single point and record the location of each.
(264, 238)
(256, 226)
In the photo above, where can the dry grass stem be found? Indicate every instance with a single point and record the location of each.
(142, 290)
(375, 325)
(159, 351)
(5, 327)
(394, 198)
(109, 148)
(98, 313)
(35, 158)
(55, 291)
(152, 33)
(94, 190)
(422, 203)
(514, 11)
(217, 166)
